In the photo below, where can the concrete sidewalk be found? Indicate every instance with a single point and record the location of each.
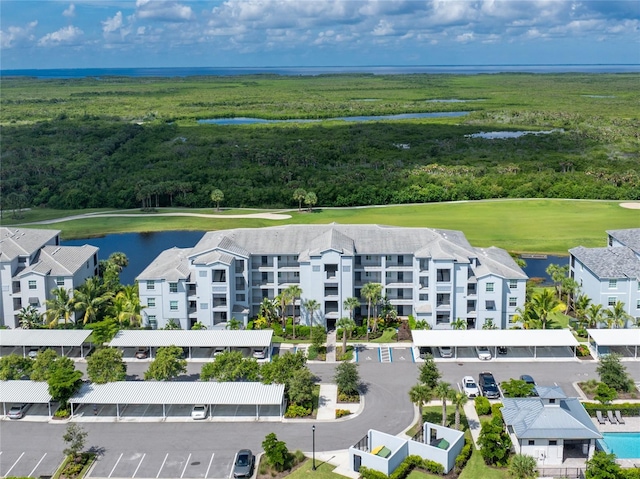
(328, 403)
(473, 420)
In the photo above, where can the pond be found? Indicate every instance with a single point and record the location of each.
(402, 116)
(497, 135)
(143, 248)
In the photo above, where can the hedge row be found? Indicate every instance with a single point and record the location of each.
(626, 409)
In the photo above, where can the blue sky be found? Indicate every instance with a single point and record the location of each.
(259, 33)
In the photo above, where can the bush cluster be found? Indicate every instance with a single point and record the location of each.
(582, 350)
(483, 406)
(495, 410)
(342, 412)
(295, 410)
(464, 455)
(626, 409)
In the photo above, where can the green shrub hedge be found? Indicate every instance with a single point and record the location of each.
(483, 406)
(626, 409)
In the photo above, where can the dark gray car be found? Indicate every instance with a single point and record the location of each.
(243, 467)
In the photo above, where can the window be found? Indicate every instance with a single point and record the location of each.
(173, 305)
(489, 288)
(638, 304)
(240, 298)
(219, 276)
(59, 281)
(443, 299)
(513, 284)
(443, 318)
(367, 257)
(513, 301)
(202, 274)
(151, 284)
(315, 269)
(490, 305)
(613, 283)
(32, 284)
(531, 442)
(423, 297)
(444, 275)
(204, 305)
(552, 401)
(553, 442)
(611, 301)
(173, 287)
(153, 322)
(151, 302)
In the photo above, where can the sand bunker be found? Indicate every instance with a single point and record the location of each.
(631, 206)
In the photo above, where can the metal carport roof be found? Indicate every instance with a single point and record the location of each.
(494, 337)
(615, 337)
(43, 337)
(182, 392)
(24, 392)
(196, 339)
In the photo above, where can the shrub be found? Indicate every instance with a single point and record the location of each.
(626, 409)
(366, 473)
(433, 467)
(62, 413)
(495, 410)
(483, 406)
(464, 455)
(406, 466)
(614, 374)
(582, 350)
(343, 397)
(294, 410)
(342, 412)
(312, 353)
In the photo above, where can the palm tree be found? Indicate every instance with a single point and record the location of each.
(311, 305)
(582, 304)
(459, 400)
(28, 316)
(310, 200)
(617, 316)
(127, 307)
(594, 315)
(91, 299)
(119, 259)
(268, 309)
(528, 317)
(372, 293)
(234, 324)
(545, 304)
(420, 395)
(443, 391)
(299, 195)
(459, 324)
(347, 325)
(350, 304)
(294, 292)
(217, 196)
(283, 299)
(60, 306)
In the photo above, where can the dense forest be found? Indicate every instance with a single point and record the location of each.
(125, 142)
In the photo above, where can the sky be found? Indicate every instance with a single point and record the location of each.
(49, 34)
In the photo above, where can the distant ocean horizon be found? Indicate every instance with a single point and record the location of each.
(62, 73)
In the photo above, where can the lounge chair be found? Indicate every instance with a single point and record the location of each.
(619, 417)
(601, 419)
(610, 417)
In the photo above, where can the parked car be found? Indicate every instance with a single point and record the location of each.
(18, 411)
(142, 353)
(218, 352)
(425, 351)
(469, 387)
(527, 379)
(199, 411)
(445, 351)
(259, 353)
(483, 353)
(243, 466)
(33, 353)
(502, 350)
(488, 385)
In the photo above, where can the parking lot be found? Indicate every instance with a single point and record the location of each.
(29, 463)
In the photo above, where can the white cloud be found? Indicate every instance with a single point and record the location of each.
(383, 28)
(66, 35)
(70, 11)
(168, 11)
(112, 24)
(13, 35)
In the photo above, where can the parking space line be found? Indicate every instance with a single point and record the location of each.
(184, 469)
(209, 467)
(116, 464)
(139, 464)
(165, 460)
(235, 458)
(34, 469)
(14, 465)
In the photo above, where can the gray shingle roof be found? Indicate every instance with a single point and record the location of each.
(628, 237)
(61, 260)
(23, 242)
(610, 262)
(497, 261)
(170, 265)
(530, 418)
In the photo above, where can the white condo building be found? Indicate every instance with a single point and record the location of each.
(611, 274)
(434, 275)
(32, 263)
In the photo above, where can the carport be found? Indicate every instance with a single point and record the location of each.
(494, 338)
(181, 393)
(216, 339)
(24, 392)
(45, 338)
(605, 341)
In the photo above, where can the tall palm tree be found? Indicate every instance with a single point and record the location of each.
(91, 299)
(311, 305)
(459, 400)
(294, 292)
(545, 304)
(350, 304)
(582, 304)
(127, 306)
(443, 391)
(268, 309)
(419, 395)
(119, 259)
(594, 315)
(528, 317)
(217, 196)
(283, 300)
(28, 317)
(60, 306)
(347, 325)
(372, 293)
(616, 317)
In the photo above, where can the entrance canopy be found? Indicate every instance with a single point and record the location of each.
(494, 338)
(194, 339)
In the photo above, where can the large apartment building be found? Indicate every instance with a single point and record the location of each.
(610, 274)
(434, 275)
(32, 263)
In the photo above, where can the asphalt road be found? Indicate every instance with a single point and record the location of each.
(207, 449)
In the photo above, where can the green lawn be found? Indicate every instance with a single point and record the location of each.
(542, 226)
(323, 471)
(476, 469)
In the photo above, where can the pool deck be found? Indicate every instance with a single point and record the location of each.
(631, 424)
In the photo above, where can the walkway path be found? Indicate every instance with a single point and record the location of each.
(331, 346)
(473, 420)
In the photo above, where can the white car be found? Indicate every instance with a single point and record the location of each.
(483, 353)
(258, 353)
(469, 387)
(18, 411)
(199, 411)
(445, 351)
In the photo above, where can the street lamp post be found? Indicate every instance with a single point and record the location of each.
(313, 446)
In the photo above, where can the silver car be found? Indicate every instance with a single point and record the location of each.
(18, 411)
(243, 466)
